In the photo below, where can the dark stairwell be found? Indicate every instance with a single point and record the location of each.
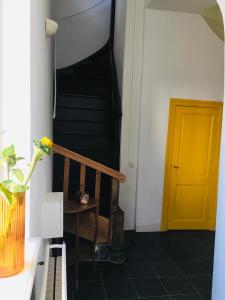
(85, 111)
(88, 120)
(88, 111)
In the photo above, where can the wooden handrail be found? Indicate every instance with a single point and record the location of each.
(88, 162)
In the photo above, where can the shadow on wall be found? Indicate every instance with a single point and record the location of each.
(84, 28)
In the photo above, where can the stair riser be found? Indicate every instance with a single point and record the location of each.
(81, 115)
(76, 102)
(73, 127)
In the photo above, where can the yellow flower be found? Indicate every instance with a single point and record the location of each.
(46, 142)
(41, 149)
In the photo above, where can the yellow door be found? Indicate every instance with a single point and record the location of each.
(193, 170)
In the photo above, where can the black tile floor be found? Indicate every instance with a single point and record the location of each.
(175, 265)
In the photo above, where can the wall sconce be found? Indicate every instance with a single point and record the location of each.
(51, 27)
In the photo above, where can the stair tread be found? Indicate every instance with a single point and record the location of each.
(67, 127)
(85, 134)
(84, 121)
(82, 96)
(82, 142)
(86, 108)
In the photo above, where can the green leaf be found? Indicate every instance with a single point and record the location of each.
(8, 151)
(19, 188)
(13, 187)
(18, 174)
(11, 161)
(6, 194)
(8, 184)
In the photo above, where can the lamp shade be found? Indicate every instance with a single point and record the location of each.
(51, 27)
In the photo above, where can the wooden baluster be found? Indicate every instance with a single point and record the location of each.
(66, 179)
(82, 178)
(97, 186)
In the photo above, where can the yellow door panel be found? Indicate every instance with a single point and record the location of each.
(192, 165)
(195, 143)
(186, 197)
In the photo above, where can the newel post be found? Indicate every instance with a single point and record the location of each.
(117, 218)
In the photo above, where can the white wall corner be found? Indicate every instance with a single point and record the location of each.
(147, 2)
(131, 91)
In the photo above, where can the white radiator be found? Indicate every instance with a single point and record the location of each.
(54, 284)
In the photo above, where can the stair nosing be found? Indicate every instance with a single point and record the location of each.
(82, 96)
(84, 121)
(83, 108)
(84, 134)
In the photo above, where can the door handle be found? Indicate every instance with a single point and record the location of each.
(176, 167)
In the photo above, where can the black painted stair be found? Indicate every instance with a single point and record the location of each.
(86, 121)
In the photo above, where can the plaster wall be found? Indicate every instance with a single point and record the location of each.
(15, 79)
(119, 38)
(82, 30)
(132, 78)
(67, 8)
(25, 92)
(182, 58)
(41, 78)
(131, 88)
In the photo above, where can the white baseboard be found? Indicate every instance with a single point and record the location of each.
(148, 228)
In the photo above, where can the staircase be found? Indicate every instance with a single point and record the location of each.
(87, 122)
(110, 229)
(86, 134)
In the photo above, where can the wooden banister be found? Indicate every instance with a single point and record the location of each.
(110, 228)
(88, 162)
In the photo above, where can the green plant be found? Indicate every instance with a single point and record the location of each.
(14, 179)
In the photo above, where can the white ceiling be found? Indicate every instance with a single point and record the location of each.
(189, 6)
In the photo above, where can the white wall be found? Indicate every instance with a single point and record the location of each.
(41, 105)
(119, 39)
(15, 78)
(67, 8)
(25, 92)
(131, 82)
(131, 87)
(15, 74)
(182, 58)
(83, 33)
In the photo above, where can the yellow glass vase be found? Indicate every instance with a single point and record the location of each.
(12, 231)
